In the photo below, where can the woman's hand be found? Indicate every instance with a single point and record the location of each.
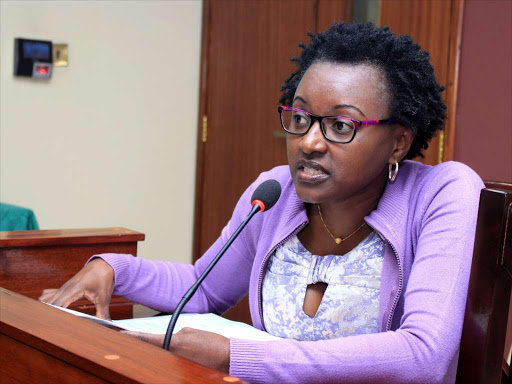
(206, 348)
(95, 282)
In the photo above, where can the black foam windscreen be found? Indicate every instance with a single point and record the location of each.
(268, 192)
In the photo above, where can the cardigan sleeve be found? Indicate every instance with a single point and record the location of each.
(161, 285)
(424, 349)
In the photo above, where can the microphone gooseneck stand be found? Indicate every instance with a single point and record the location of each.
(188, 295)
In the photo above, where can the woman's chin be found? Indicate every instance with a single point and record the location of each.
(308, 198)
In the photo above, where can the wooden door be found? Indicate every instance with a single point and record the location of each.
(436, 27)
(246, 52)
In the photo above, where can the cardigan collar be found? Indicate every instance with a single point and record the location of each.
(388, 219)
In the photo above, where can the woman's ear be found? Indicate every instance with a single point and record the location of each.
(403, 141)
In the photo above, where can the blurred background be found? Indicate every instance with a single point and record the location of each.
(167, 110)
(109, 140)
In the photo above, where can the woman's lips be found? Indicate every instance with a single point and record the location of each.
(311, 172)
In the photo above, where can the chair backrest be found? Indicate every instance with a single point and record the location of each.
(14, 218)
(487, 308)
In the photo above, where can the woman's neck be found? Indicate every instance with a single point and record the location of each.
(339, 219)
(344, 216)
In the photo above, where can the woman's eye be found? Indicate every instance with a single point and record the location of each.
(341, 126)
(299, 119)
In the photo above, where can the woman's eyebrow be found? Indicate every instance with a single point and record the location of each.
(301, 99)
(338, 106)
(349, 106)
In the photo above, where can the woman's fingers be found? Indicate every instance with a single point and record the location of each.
(95, 282)
(47, 295)
(49, 291)
(65, 298)
(59, 296)
(102, 305)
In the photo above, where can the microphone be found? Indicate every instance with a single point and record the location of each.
(263, 198)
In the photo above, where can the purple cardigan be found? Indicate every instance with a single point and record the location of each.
(427, 218)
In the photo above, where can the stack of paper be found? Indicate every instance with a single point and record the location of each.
(206, 322)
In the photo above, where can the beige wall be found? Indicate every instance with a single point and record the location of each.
(109, 140)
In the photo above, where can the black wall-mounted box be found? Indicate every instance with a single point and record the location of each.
(33, 58)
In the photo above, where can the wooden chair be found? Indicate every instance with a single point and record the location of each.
(487, 309)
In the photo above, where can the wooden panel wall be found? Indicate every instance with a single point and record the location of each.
(435, 26)
(330, 11)
(250, 44)
(484, 123)
(246, 51)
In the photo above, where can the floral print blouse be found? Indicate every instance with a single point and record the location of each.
(350, 305)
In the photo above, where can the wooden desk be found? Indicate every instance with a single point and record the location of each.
(31, 261)
(41, 344)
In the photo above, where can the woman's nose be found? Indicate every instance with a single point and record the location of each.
(314, 140)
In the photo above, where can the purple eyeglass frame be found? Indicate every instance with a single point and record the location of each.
(357, 123)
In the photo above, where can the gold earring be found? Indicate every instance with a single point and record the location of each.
(392, 174)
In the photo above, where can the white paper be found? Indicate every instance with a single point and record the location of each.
(206, 322)
(106, 323)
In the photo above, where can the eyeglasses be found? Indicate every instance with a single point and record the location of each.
(338, 129)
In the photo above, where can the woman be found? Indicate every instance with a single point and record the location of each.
(362, 266)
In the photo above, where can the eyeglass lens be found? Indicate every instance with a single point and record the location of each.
(336, 128)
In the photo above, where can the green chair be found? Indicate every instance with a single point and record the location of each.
(13, 218)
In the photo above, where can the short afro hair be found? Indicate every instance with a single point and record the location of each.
(416, 101)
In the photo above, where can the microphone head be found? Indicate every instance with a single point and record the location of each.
(267, 193)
